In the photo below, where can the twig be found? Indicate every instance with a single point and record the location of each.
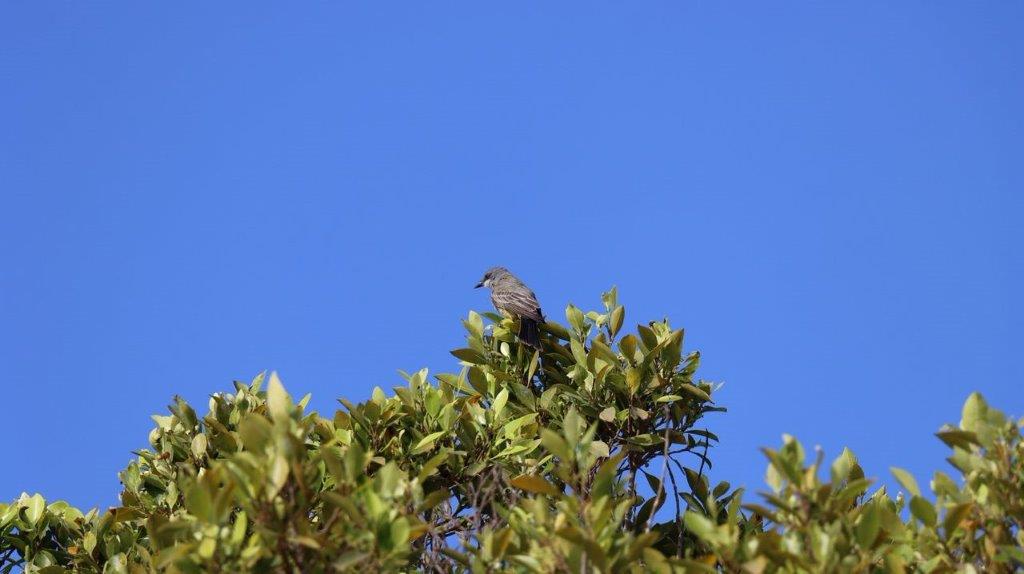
(661, 484)
(704, 458)
(675, 487)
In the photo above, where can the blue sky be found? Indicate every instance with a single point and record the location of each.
(828, 197)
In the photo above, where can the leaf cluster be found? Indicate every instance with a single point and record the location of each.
(589, 455)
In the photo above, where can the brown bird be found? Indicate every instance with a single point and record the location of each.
(512, 296)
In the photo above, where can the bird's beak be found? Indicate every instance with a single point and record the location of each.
(479, 285)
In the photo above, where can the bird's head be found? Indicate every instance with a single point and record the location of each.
(493, 274)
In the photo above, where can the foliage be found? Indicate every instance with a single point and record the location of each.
(590, 458)
(836, 526)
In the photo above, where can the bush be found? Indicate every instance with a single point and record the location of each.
(591, 458)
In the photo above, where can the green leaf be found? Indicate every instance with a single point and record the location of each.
(774, 477)
(854, 488)
(627, 346)
(535, 484)
(720, 489)
(572, 427)
(477, 380)
(278, 474)
(400, 532)
(647, 439)
(578, 352)
(648, 337)
(388, 478)
(378, 397)
(164, 422)
(278, 402)
(349, 559)
(868, 527)
(604, 352)
(554, 443)
(633, 379)
(954, 516)
(943, 485)
(610, 298)
(255, 432)
(510, 428)
(456, 556)
(607, 415)
(257, 382)
(239, 528)
(127, 513)
(923, 510)
(841, 466)
(973, 414)
(700, 526)
(34, 508)
(906, 479)
(575, 318)
(431, 465)
(470, 356)
(761, 510)
(7, 514)
(958, 438)
(648, 508)
(983, 421)
(697, 483)
(615, 322)
(433, 499)
(199, 445)
(653, 481)
(207, 547)
(673, 348)
(427, 442)
(592, 549)
(668, 399)
(696, 391)
(475, 324)
(499, 403)
(168, 555)
(519, 447)
(199, 503)
(556, 330)
(356, 460)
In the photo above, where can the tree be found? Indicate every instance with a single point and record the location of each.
(591, 458)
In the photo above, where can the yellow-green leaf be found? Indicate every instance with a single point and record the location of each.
(906, 479)
(535, 484)
(954, 516)
(34, 508)
(469, 356)
(199, 445)
(499, 403)
(615, 323)
(278, 401)
(923, 510)
(427, 442)
(696, 391)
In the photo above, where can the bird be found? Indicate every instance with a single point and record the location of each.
(513, 297)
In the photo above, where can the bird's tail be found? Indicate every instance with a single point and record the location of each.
(529, 333)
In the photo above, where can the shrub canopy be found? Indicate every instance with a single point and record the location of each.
(592, 457)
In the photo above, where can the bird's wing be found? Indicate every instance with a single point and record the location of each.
(521, 303)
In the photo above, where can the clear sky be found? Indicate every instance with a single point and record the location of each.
(828, 196)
